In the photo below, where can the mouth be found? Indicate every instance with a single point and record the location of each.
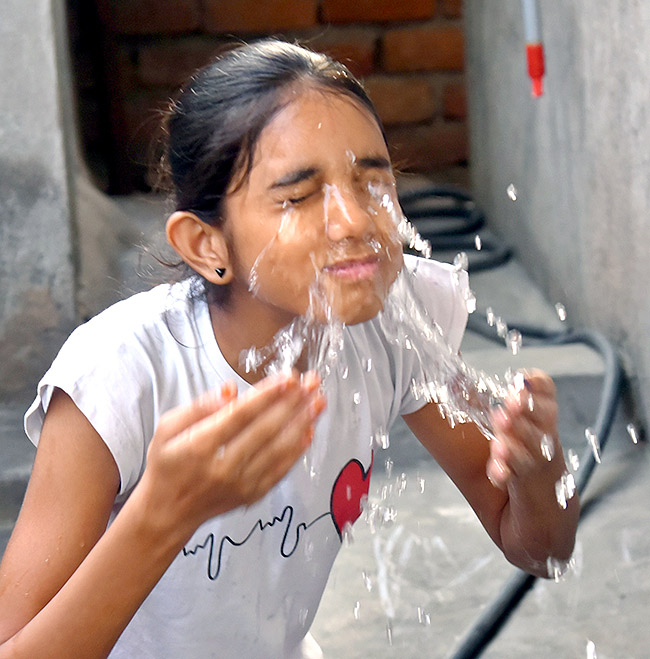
(354, 269)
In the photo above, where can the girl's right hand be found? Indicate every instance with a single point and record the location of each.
(224, 451)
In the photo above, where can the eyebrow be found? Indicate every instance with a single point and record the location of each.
(305, 173)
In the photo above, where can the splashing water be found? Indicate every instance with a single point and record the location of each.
(478, 243)
(556, 569)
(547, 447)
(594, 442)
(389, 631)
(591, 650)
(462, 393)
(565, 489)
(632, 432)
(514, 341)
(560, 309)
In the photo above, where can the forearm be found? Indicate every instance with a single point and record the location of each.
(534, 527)
(86, 617)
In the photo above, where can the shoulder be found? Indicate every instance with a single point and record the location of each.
(136, 326)
(443, 291)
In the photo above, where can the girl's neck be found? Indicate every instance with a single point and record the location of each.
(242, 324)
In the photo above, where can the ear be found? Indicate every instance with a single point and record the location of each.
(202, 246)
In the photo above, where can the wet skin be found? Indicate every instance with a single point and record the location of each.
(307, 230)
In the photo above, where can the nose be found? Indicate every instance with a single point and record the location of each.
(345, 215)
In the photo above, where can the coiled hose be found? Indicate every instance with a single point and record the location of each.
(449, 219)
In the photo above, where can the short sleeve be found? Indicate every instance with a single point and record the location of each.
(443, 291)
(109, 379)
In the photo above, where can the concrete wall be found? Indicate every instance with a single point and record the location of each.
(579, 157)
(37, 271)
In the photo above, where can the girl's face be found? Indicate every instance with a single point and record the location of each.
(312, 230)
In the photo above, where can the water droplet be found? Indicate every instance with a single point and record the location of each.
(461, 261)
(489, 315)
(555, 568)
(574, 460)
(513, 341)
(502, 327)
(470, 300)
(594, 442)
(388, 515)
(531, 404)
(344, 371)
(547, 447)
(356, 397)
(380, 439)
(565, 488)
(560, 309)
(423, 617)
(478, 243)
(632, 432)
(348, 492)
(389, 471)
(302, 616)
(512, 192)
(591, 650)
(348, 534)
(401, 484)
(421, 483)
(368, 365)
(367, 580)
(356, 610)
(389, 631)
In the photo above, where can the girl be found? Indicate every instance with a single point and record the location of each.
(170, 512)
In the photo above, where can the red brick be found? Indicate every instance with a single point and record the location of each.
(454, 101)
(452, 8)
(354, 47)
(170, 64)
(377, 11)
(426, 148)
(253, 16)
(150, 16)
(424, 48)
(401, 99)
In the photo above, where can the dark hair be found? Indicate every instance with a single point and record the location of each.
(214, 123)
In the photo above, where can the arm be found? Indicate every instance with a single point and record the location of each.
(68, 586)
(508, 482)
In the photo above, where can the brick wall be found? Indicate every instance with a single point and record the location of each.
(409, 53)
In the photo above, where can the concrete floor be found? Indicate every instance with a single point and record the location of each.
(415, 587)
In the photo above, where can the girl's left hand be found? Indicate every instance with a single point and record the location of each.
(526, 431)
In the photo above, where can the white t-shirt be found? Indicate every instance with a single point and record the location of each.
(248, 582)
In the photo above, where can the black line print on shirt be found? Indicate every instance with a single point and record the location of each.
(349, 489)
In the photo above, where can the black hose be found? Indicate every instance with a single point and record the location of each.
(446, 222)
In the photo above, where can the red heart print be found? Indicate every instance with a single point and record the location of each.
(350, 486)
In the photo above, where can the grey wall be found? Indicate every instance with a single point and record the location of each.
(579, 157)
(37, 273)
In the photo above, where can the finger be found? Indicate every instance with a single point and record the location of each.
(498, 472)
(537, 381)
(227, 422)
(539, 410)
(262, 434)
(518, 442)
(286, 446)
(178, 419)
